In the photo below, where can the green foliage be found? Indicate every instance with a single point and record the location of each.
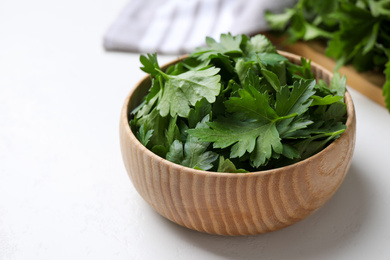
(357, 32)
(225, 165)
(228, 45)
(238, 99)
(150, 64)
(186, 89)
(193, 153)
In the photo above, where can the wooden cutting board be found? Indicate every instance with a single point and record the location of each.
(368, 83)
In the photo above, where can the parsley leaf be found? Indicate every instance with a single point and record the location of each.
(251, 105)
(228, 45)
(150, 64)
(193, 152)
(257, 138)
(295, 100)
(270, 58)
(253, 128)
(186, 89)
(327, 100)
(202, 108)
(225, 165)
(172, 132)
(259, 44)
(279, 21)
(144, 136)
(272, 79)
(157, 124)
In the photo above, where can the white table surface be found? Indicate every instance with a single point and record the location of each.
(64, 192)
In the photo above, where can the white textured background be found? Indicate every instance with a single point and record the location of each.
(64, 192)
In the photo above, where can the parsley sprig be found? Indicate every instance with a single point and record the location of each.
(237, 105)
(356, 31)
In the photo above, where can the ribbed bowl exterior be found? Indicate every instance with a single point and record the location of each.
(236, 204)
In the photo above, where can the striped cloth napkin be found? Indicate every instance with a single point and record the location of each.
(178, 26)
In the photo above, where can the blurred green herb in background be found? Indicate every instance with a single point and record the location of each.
(357, 32)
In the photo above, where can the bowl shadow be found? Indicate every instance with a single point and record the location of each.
(331, 227)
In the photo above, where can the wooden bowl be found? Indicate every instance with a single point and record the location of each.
(236, 204)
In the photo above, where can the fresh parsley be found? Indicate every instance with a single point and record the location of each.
(356, 31)
(237, 106)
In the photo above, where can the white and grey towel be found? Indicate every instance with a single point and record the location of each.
(178, 26)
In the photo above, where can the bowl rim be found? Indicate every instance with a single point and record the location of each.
(124, 119)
